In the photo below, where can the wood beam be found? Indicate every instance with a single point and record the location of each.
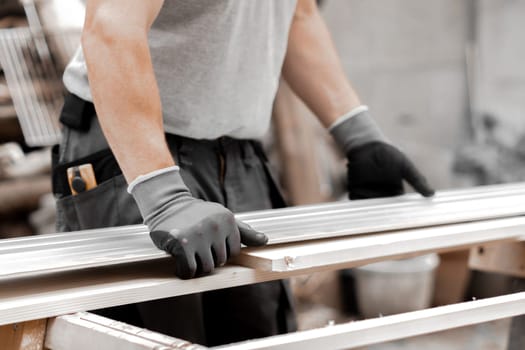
(23, 336)
(505, 257)
(50, 295)
(354, 251)
(86, 331)
(389, 328)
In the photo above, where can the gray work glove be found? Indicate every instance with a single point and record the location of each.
(375, 167)
(200, 235)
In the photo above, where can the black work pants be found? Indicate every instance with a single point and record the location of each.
(227, 171)
(517, 326)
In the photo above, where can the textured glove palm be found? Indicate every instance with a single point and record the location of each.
(200, 235)
(375, 168)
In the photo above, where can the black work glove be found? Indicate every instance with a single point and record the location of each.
(200, 235)
(375, 167)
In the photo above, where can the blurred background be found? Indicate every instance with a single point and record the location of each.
(445, 80)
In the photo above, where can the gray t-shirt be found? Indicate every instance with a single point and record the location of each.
(217, 64)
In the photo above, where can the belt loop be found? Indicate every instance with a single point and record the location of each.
(248, 154)
(259, 151)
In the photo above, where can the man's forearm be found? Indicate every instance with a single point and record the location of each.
(312, 67)
(126, 96)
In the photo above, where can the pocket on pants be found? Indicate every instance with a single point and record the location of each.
(106, 205)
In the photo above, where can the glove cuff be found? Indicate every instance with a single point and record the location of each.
(355, 129)
(141, 178)
(157, 189)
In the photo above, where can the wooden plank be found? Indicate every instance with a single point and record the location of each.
(7, 112)
(506, 258)
(389, 328)
(85, 331)
(59, 294)
(23, 194)
(452, 277)
(69, 251)
(50, 295)
(23, 336)
(297, 148)
(352, 251)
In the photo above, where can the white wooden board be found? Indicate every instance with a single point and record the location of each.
(60, 294)
(86, 331)
(389, 328)
(24, 299)
(38, 255)
(360, 250)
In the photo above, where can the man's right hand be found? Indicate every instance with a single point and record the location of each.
(200, 235)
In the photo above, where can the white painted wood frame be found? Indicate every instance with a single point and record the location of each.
(83, 331)
(365, 249)
(23, 299)
(86, 331)
(389, 328)
(44, 254)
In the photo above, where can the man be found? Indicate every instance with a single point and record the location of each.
(181, 90)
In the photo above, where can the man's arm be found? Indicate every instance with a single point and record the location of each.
(313, 70)
(312, 67)
(200, 235)
(123, 84)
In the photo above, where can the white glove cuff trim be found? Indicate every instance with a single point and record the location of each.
(357, 110)
(141, 178)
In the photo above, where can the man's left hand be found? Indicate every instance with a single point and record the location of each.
(378, 169)
(375, 167)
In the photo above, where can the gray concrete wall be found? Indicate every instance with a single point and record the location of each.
(406, 58)
(501, 38)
